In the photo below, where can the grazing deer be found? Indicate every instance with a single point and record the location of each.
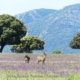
(41, 58)
(27, 58)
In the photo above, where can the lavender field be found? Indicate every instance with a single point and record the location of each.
(56, 67)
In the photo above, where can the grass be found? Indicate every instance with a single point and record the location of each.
(15, 75)
(56, 67)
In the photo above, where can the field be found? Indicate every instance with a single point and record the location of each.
(56, 67)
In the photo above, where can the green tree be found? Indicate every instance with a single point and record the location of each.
(56, 52)
(11, 30)
(75, 42)
(28, 43)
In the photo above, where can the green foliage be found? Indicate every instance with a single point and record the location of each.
(11, 30)
(28, 43)
(75, 42)
(56, 52)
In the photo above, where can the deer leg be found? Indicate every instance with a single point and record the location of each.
(43, 61)
(38, 62)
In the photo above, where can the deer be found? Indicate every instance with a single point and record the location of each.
(27, 58)
(41, 58)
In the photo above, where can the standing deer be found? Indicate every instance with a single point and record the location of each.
(27, 58)
(41, 58)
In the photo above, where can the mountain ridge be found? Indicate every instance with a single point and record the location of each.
(66, 22)
(33, 15)
(57, 28)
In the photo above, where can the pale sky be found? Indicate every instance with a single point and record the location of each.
(14, 7)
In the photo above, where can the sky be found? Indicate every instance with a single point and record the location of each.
(14, 7)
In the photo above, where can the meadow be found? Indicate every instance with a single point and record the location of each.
(56, 67)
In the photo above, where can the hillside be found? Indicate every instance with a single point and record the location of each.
(56, 28)
(33, 15)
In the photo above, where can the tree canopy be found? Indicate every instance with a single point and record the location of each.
(28, 43)
(11, 30)
(56, 52)
(75, 42)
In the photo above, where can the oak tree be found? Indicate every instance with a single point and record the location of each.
(11, 30)
(75, 42)
(28, 43)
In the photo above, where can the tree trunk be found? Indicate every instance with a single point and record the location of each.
(1, 48)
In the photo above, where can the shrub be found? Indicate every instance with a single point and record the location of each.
(56, 52)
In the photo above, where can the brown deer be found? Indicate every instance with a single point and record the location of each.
(27, 58)
(41, 58)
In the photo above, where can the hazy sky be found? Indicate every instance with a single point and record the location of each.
(13, 7)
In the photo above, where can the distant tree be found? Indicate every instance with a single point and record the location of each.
(75, 42)
(56, 52)
(11, 30)
(28, 43)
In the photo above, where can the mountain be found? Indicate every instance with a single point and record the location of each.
(56, 28)
(33, 15)
(30, 16)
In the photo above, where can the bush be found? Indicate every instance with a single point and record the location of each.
(56, 52)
